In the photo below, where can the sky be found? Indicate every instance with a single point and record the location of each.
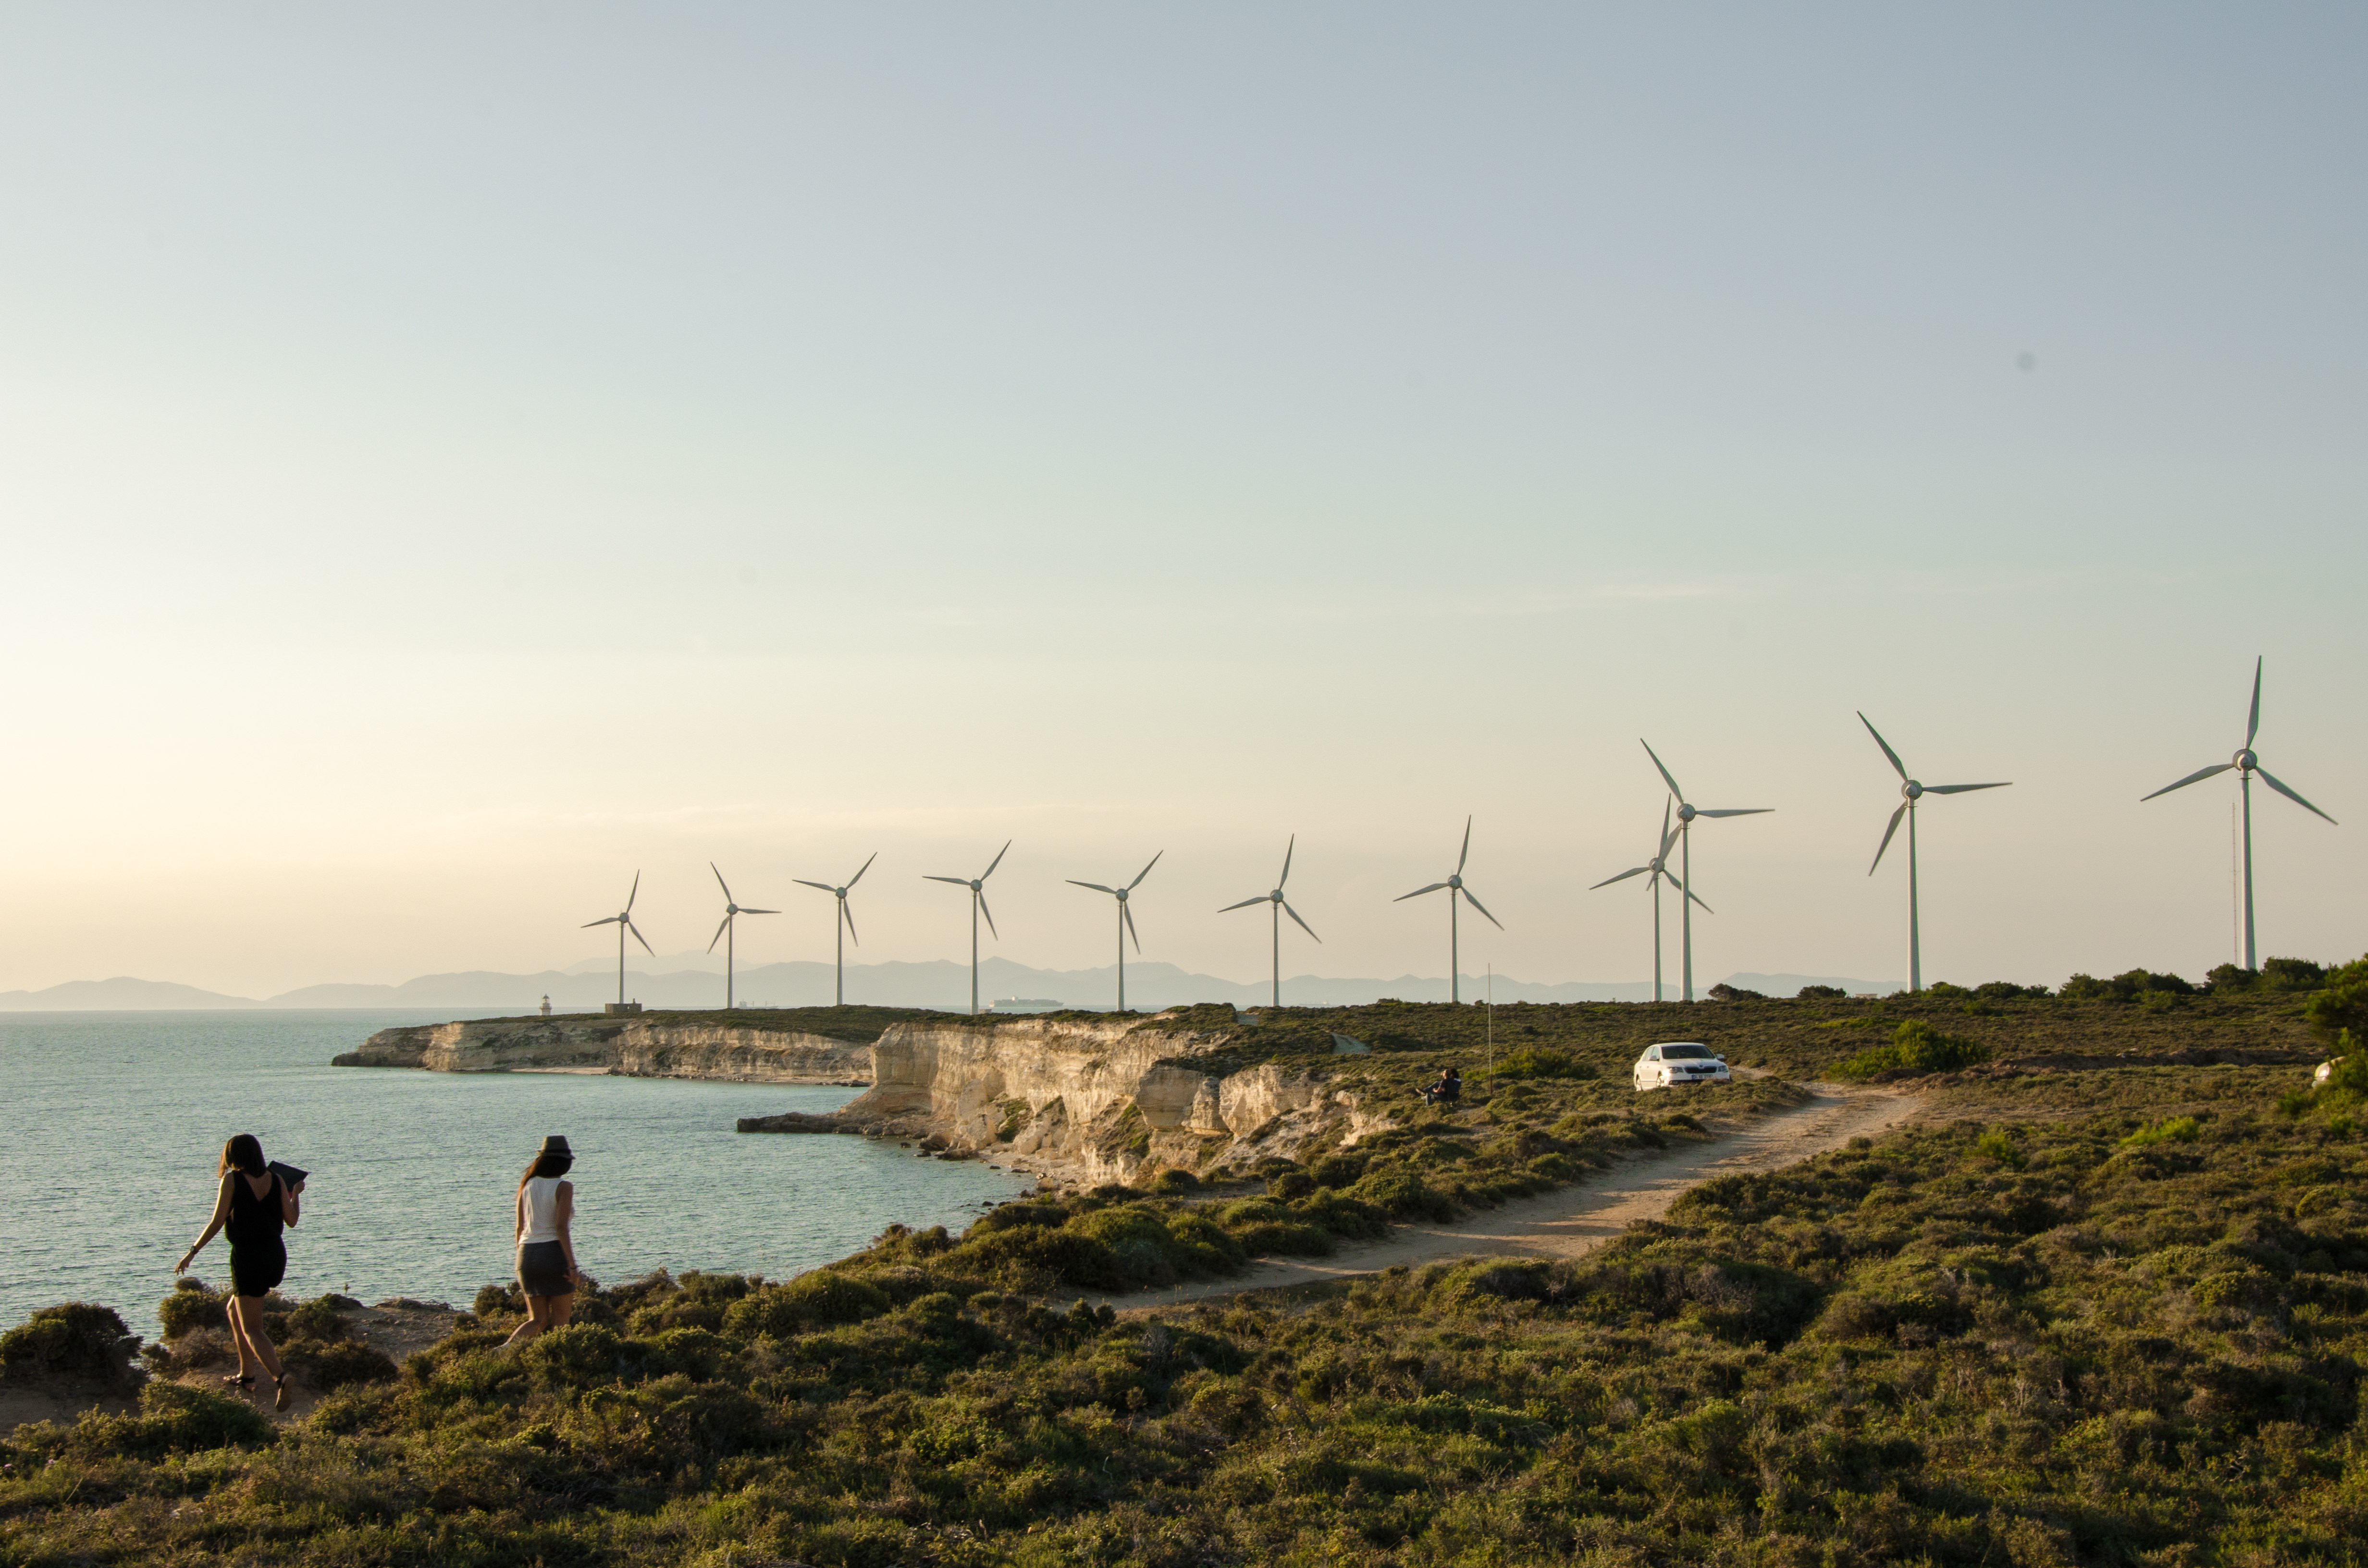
(453, 459)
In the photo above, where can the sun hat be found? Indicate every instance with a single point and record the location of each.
(555, 1145)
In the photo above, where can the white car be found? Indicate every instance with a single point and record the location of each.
(1679, 1062)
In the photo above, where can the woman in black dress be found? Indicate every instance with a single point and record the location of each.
(251, 1208)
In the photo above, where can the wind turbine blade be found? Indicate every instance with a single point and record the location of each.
(2253, 719)
(1467, 848)
(825, 886)
(1482, 909)
(1745, 811)
(1244, 904)
(1672, 783)
(958, 881)
(1285, 880)
(719, 933)
(634, 894)
(990, 916)
(1096, 886)
(2199, 773)
(1145, 872)
(1417, 893)
(644, 941)
(867, 866)
(1671, 877)
(1621, 878)
(1698, 899)
(604, 920)
(721, 883)
(991, 865)
(1126, 913)
(1960, 789)
(1886, 836)
(1669, 834)
(760, 912)
(850, 921)
(1300, 924)
(1898, 766)
(2274, 782)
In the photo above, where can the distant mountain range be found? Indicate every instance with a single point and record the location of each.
(939, 983)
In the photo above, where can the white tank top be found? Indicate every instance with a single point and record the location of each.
(541, 1210)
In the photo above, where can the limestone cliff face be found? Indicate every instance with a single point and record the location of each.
(1086, 1101)
(636, 1048)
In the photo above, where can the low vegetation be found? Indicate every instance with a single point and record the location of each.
(2114, 1312)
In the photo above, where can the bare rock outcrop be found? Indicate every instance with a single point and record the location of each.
(1087, 1100)
(633, 1046)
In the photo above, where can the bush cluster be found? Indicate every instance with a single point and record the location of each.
(1916, 1047)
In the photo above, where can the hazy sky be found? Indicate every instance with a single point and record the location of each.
(454, 457)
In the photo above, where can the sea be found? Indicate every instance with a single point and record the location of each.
(112, 1125)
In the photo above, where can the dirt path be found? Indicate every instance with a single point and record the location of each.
(1577, 1220)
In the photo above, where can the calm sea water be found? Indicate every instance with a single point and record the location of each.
(113, 1122)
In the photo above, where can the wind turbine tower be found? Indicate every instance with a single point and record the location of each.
(842, 927)
(1278, 908)
(2246, 764)
(1125, 920)
(977, 886)
(1912, 791)
(1686, 815)
(1657, 868)
(1455, 888)
(624, 921)
(729, 932)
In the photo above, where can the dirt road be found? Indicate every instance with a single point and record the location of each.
(1577, 1220)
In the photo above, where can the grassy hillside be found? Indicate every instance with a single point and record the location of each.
(2091, 1313)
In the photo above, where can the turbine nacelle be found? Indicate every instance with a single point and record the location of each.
(2245, 761)
(1912, 790)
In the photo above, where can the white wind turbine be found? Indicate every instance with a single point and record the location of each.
(842, 927)
(1658, 868)
(624, 921)
(1686, 815)
(729, 932)
(977, 886)
(1125, 920)
(1278, 908)
(1912, 791)
(1454, 886)
(2246, 764)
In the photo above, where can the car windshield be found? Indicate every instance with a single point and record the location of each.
(1685, 1053)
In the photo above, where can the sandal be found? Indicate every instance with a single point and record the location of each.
(279, 1392)
(238, 1380)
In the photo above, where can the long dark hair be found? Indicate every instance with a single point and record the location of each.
(546, 1165)
(243, 1153)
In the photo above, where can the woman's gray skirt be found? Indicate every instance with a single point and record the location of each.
(542, 1269)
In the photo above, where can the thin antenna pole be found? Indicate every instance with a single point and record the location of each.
(1915, 936)
(1686, 901)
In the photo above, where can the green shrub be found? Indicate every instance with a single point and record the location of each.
(1290, 1185)
(572, 1355)
(316, 1319)
(339, 1363)
(1176, 1179)
(1916, 1047)
(1997, 1145)
(1033, 1258)
(1007, 1216)
(819, 1299)
(2171, 1130)
(2343, 1004)
(1404, 1194)
(1821, 993)
(191, 1305)
(1528, 1062)
(1338, 1170)
(173, 1418)
(76, 1340)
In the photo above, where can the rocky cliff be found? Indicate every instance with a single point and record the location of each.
(1085, 1100)
(635, 1047)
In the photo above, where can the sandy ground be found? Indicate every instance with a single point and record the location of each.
(1577, 1220)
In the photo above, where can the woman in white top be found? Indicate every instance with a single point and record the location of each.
(546, 1257)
